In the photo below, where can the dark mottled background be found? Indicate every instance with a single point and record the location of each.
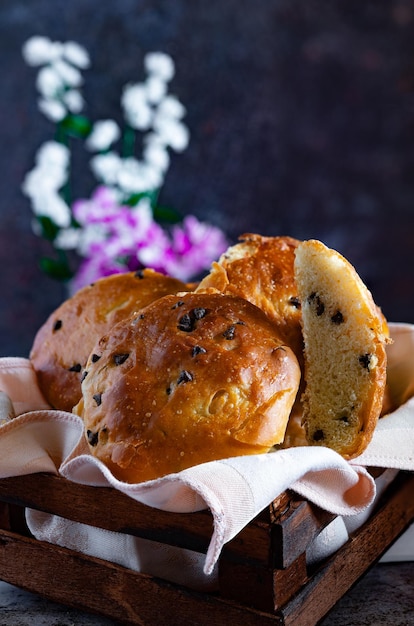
(301, 117)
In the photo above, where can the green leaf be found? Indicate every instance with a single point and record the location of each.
(49, 228)
(56, 268)
(128, 141)
(76, 126)
(166, 214)
(135, 198)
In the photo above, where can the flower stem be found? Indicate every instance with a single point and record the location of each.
(62, 137)
(128, 142)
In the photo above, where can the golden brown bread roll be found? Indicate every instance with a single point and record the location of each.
(260, 269)
(193, 378)
(345, 335)
(62, 345)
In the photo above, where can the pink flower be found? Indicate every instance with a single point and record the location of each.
(101, 207)
(195, 245)
(117, 238)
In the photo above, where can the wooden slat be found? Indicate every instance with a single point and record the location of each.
(287, 582)
(97, 586)
(247, 585)
(289, 522)
(295, 530)
(342, 570)
(107, 508)
(263, 588)
(110, 509)
(252, 545)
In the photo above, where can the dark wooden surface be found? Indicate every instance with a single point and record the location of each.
(301, 123)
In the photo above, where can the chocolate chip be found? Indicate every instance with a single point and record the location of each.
(198, 350)
(199, 313)
(230, 332)
(337, 318)
(75, 368)
(118, 359)
(98, 398)
(317, 302)
(95, 358)
(57, 325)
(365, 360)
(184, 377)
(295, 302)
(139, 274)
(92, 437)
(320, 308)
(84, 375)
(186, 323)
(318, 435)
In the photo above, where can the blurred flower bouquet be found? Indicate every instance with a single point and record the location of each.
(121, 227)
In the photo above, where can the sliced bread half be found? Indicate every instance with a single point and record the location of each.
(345, 335)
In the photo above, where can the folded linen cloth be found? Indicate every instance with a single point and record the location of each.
(235, 490)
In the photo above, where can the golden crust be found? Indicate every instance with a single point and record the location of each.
(187, 382)
(62, 345)
(260, 269)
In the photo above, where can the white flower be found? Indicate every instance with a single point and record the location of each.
(106, 167)
(70, 75)
(172, 132)
(103, 135)
(156, 89)
(76, 54)
(73, 100)
(155, 153)
(52, 109)
(49, 175)
(170, 106)
(51, 204)
(40, 181)
(68, 238)
(160, 64)
(137, 177)
(49, 82)
(53, 153)
(40, 51)
(137, 111)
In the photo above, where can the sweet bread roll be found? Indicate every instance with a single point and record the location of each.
(345, 359)
(62, 345)
(193, 378)
(260, 269)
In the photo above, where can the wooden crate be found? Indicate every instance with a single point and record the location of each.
(263, 576)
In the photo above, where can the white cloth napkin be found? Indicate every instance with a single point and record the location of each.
(235, 490)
